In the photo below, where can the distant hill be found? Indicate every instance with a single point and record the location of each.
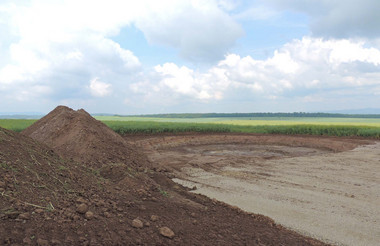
(20, 116)
(357, 111)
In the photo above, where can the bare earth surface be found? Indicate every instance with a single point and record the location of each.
(327, 188)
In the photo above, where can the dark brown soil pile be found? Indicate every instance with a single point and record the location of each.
(47, 200)
(77, 135)
(31, 174)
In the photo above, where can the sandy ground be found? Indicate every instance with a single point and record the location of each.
(325, 188)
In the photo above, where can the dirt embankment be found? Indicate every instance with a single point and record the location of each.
(103, 192)
(324, 187)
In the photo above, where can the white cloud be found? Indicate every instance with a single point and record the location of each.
(54, 50)
(62, 44)
(229, 5)
(337, 19)
(257, 13)
(187, 82)
(199, 29)
(298, 68)
(99, 88)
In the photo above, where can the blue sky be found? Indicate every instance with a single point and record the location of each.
(178, 56)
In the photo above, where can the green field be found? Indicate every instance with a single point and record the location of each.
(16, 125)
(256, 121)
(365, 127)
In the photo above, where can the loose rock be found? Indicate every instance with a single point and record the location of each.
(166, 232)
(27, 241)
(39, 211)
(55, 242)
(136, 223)
(89, 215)
(82, 208)
(81, 200)
(154, 218)
(24, 216)
(42, 242)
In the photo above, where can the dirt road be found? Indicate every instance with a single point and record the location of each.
(327, 188)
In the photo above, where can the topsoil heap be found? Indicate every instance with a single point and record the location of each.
(77, 135)
(108, 196)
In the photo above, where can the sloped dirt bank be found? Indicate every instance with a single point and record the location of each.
(327, 188)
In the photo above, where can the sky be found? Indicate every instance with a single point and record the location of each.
(189, 56)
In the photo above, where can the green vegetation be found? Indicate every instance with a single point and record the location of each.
(16, 125)
(364, 127)
(123, 127)
(254, 121)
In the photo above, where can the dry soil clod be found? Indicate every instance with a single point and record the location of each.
(82, 208)
(166, 232)
(137, 223)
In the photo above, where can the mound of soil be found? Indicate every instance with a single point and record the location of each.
(47, 200)
(77, 135)
(40, 193)
(33, 175)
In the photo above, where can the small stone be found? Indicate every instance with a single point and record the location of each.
(166, 232)
(154, 218)
(107, 215)
(39, 211)
(89, 215)
(193, 215)
(100, 203)
(27, 241)
(82, 208)
(55, 242)
(136, 223)
(42, 242)
(69, 240)
(24, 216)
(147, 224)
(81, 200)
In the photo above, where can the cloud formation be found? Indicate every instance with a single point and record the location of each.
(299, 68)
(64, 52)
(60, 46)
(199, 29)
(337, 19)
(99, 88)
